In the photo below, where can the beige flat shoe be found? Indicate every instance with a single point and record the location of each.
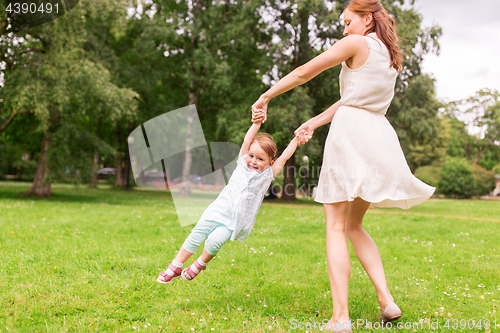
(338, 327)
(391, 312)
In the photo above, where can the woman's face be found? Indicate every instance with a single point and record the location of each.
(356, 24)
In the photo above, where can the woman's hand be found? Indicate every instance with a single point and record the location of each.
(259, 110)
(305, 132)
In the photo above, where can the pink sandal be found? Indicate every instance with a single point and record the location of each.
(166, 278)
(391, 312)
(188, 274)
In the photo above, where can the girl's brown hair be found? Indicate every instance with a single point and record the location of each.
(384, 27)
(267, 144)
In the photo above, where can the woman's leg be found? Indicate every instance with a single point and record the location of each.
(338, 259)
(366, 250)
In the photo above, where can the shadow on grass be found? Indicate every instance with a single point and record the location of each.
(67, 193)
(111, 194)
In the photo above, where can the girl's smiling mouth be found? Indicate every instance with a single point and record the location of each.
(252, 167)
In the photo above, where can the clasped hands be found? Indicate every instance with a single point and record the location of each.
(303, 133)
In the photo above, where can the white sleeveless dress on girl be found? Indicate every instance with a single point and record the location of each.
(362, 156)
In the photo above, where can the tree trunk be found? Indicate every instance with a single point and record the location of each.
(128, 167)
(302, 54)
(195, 83)
(480, 153)
(95, 168)
(8, 121)
(11, 119)
(289, 169)
(186, 167)
(41, 187)
(120, 170)
(467, 154)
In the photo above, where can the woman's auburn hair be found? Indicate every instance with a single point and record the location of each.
(384, 27)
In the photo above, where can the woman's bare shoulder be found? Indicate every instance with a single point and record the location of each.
(354, 41)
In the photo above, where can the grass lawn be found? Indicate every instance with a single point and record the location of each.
(87, 260)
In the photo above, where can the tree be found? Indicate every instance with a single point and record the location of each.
(485, 180)
(496, 169)
(50, 77)
(414, 115)
(458, 135)
(478, 134)
(3, 18)
(301, 30)
(457, 179)
(208, 53)
(414, 111)
(304, 29)
(485, 108)
(117, 43)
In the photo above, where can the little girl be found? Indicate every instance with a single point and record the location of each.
(232, 214)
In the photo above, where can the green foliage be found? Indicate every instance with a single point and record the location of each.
(414, 115)
(70, 158)
(26, 169)
(100, 73)
(429, 174)
(457, 179)
(211, 56)
(20, 142)
(53, 76)
(496, 170)
(485, 180)
(458, 136)
(3, 17)
(482, 113)
(491, 157)
(414, 110)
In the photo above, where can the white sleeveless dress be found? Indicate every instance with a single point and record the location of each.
(362, 156)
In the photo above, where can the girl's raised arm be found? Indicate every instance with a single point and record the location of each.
(252, 131)
(287, 153)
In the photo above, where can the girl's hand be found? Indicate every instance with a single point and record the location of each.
(304, 133)
(300, 140)
(260, 106)
(257, 117)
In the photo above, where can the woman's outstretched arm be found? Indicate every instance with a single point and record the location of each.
(344, 49)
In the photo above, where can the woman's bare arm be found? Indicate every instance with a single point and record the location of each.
(344, 49)
(324, 117)
(306, 130)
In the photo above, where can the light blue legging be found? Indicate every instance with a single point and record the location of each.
(217, 234)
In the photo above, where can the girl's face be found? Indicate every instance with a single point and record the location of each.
(257, 159)
(356, 24)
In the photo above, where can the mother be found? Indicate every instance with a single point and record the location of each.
(363, 164)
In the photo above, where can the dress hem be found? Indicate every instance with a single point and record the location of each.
(403, 203)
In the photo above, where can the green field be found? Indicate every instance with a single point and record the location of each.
(87, 260)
